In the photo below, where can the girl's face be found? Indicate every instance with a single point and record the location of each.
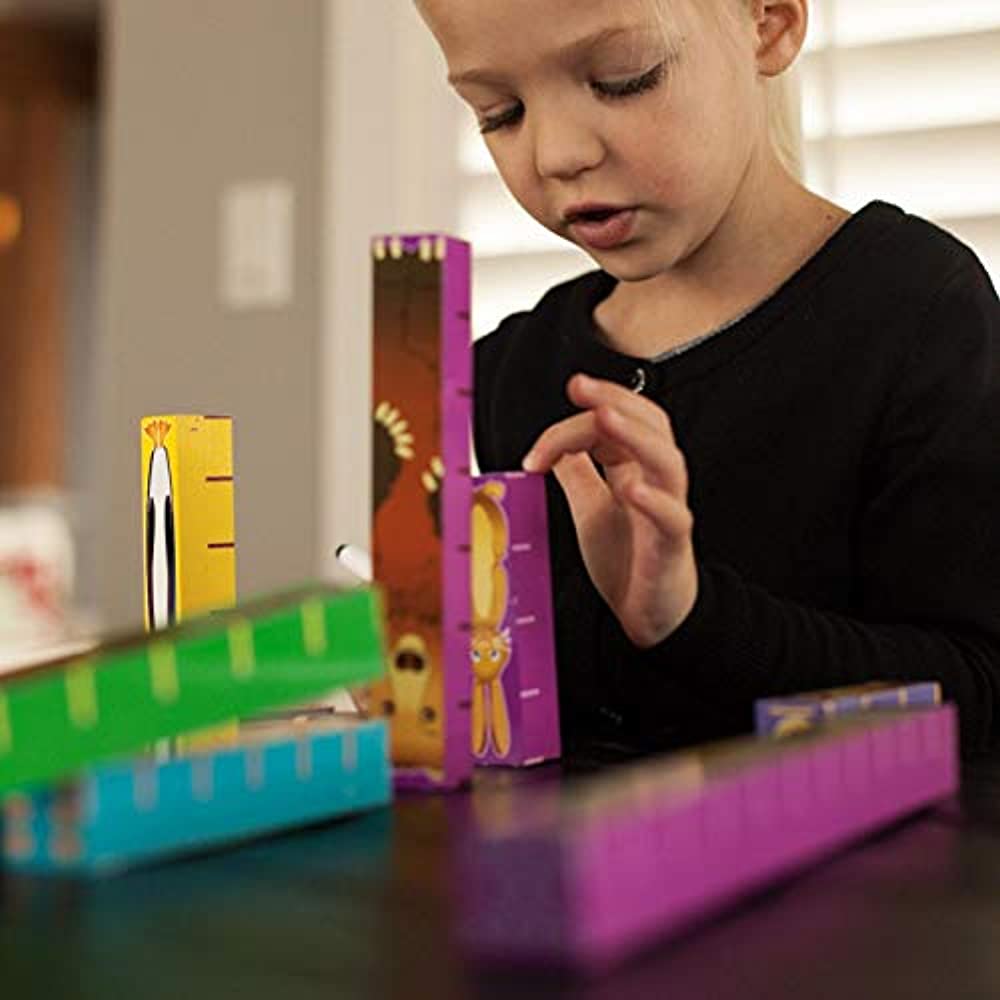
(587, 108)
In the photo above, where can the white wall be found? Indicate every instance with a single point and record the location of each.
(386, 172)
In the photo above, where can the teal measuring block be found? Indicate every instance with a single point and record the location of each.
(119, 815)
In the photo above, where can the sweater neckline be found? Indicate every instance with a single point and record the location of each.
(586, 352)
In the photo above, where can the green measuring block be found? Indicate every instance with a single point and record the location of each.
(60, 716)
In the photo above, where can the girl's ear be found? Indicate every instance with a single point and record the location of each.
(781, 31)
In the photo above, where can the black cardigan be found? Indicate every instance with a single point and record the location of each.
(843, 446)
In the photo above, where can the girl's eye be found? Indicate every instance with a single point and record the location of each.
(490, 123)
(615, 91)
(637, 85)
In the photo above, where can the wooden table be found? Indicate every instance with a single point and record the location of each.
(365, 908)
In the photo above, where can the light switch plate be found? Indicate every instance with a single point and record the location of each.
(257, 244)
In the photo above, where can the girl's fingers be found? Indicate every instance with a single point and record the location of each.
(659, 457)
(612, 438)
(570, 436)
(590, 393)
(582, 485)
(669, 516)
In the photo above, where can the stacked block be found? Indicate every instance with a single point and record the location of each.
(58, 717)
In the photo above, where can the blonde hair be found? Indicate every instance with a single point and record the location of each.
(783, 93)
(784, 120)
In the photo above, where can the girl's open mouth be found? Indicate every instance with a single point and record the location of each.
(603, 229)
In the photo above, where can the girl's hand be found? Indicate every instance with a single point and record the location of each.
(634, 526)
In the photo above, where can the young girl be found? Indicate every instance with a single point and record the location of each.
(774, 426)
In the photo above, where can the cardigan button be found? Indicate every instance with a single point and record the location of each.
(637, 380)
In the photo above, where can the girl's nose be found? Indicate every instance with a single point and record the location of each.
(565, 146)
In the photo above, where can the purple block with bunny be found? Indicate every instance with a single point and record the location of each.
(514, 695)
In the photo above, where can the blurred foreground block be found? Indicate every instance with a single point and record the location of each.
(280, 776)
(584, 878)
(122, 696)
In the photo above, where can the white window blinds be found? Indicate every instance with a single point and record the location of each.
(901, 101)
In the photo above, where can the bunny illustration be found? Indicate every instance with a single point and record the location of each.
(491, 643)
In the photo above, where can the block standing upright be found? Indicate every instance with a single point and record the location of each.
(421, 500)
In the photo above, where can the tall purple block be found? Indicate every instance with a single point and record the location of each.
(586, 877)
(421, 495)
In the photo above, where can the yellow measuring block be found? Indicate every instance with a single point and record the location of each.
(189, 527)
(189, 532)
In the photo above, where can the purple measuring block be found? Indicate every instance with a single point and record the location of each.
(421, 496)
(585, 877)
(793, 713)
(514, 695)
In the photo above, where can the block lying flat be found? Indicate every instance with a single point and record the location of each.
(583, 878)
(122, 696)
(280, 776)
(793, 713)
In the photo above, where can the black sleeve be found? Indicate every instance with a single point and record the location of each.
(484, 381)
(926, 551)
(491, 431)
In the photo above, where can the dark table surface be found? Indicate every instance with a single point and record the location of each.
(365, 908)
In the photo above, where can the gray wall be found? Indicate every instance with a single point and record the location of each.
(199, 95)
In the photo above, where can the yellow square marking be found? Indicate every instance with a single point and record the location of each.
(242, 659)
(6, 736)
(163, 672)
(81, 696)
(314, 628)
